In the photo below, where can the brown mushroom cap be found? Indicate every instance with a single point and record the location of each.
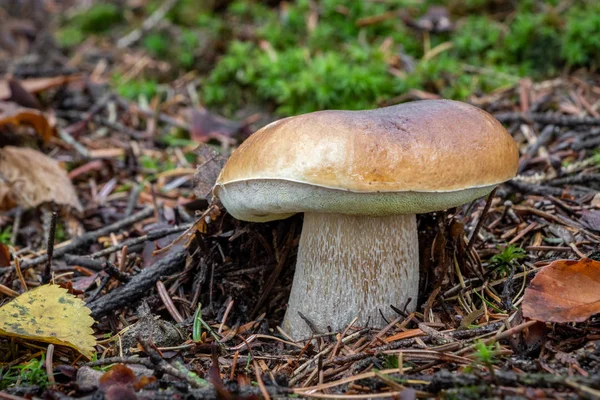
(410, 158)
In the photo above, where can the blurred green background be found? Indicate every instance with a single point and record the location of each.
(300, 56)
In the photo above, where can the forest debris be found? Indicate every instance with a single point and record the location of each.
(205, 126)
(36, 85)
(210, 163)
(139, 285)
(590, 219)
(4, 255)
(564, 291)
(29, 178)
(21, 96)
(163, 333)
(49, 314)
(12, 114)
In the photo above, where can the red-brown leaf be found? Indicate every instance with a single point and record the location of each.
(120, 374)
(4, 255)
(12, 114)
(564, 291)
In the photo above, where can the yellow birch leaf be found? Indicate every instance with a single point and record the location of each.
(49, 314)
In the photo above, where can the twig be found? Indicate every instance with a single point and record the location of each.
(139, 285)
(83, 240)
(147, 25)
(133, 199)
(47, 274)
(142, 239)
(575, 180)
(163, 366)
(486, 208)
(16, 225)
(540, 190)
(78, 147)
(459, 334)
(546, 119)
(83, 261)
(121, 360)
(114, 272)
(49, 364)
(166, 299)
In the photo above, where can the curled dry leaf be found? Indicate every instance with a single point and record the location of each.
(35, 85)
(49, 314)
(29, 178)
(12, 114)
(4, 255)
(564, 291)
(123, 377)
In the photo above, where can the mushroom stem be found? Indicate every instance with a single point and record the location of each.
(352, 266)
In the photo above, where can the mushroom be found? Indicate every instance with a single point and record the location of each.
(360, 177)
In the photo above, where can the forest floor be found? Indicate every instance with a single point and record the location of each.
(190, 299)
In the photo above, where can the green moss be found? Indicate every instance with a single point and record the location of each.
(70, 36)
(100, 17)
(534, 41)
(340, 64)
(303, 55)
(97, 19)
(133, 89)
(156, 44)
(581, 42)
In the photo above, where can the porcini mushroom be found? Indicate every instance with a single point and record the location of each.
(360, 177)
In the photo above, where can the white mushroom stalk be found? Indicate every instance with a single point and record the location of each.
(352, 267)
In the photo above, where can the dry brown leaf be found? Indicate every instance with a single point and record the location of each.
(29, 178)
(590, 219)
(36, 85)
(210, 163)
(4, 255)
(564, 291)
(12, 114)
(205, 126)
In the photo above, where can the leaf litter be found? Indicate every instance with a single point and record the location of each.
(473, 333)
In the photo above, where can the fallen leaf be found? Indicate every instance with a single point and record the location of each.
(4, 255)
(210, 163)
(84, 282)
(36, 85)
(21, 96)
(49, 314)
(12, 114)
(205, 126)
(120, 374)
(29, 178)
(119, 392)
(150, 255)
(590, 219)
(596, 200)
(564, 291)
